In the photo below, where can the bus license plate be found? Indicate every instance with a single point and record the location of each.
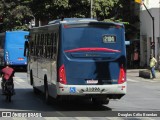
(92, 81)
(92, 89)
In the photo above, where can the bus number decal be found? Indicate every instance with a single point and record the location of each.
(109, 39)
(92, 89)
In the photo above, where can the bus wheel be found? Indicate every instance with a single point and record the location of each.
(31, 78)
(46, 94)
(35, 90)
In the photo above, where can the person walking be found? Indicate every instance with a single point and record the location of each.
(136, 59)
(152, 64)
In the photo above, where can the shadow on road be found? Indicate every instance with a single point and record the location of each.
(26, 100)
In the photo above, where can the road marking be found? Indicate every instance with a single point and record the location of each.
(113, 118)
(19, 118)
(17, 82)
(19, 79)
(132, 118)
(82, 118)
(51, 118)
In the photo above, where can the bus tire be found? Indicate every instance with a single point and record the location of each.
(46, 94)
(35, 90)
(31, 77)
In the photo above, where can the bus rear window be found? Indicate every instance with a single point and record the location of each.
(82, 37)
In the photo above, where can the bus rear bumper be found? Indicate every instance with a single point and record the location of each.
(90, 90)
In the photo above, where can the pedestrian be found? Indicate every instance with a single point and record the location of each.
(152, 64)
(136, 58)
(7, 75)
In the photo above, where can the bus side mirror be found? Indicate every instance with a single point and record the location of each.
(25, 48)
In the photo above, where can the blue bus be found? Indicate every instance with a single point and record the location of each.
(78, 58)
(12, 49)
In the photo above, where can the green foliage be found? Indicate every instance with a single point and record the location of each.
(18, 13)
(102, 8)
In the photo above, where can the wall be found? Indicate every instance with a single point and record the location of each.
(146, 30)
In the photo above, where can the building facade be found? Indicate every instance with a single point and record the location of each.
(149, 31)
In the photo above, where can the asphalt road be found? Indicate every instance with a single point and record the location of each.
(142, 95)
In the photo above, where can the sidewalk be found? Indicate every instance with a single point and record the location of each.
(134, 73)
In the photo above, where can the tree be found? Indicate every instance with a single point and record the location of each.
(126, 14)
(16, 14)
(79, 8)
(53, 9)
(103, 8)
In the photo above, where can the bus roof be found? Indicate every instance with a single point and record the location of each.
(10, 32)
(16, 31)
(77, 21)
(72, 20)
(80, 20)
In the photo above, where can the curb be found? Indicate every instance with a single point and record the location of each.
(140, 74)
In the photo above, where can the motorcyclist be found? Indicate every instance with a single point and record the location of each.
(7, 75)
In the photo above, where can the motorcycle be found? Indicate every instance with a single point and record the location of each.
(8, 90)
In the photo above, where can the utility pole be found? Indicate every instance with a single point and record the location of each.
(91, 10)
(153, 41)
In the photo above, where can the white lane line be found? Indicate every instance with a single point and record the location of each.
(51, 118)
(19, 118)
(113, 118)
(20, 79)
(132, 118)
(17, 82)
(83, 118)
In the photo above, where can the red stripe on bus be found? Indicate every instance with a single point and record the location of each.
(92, 49)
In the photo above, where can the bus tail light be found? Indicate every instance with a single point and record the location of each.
(62, 75)
(122, 75)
